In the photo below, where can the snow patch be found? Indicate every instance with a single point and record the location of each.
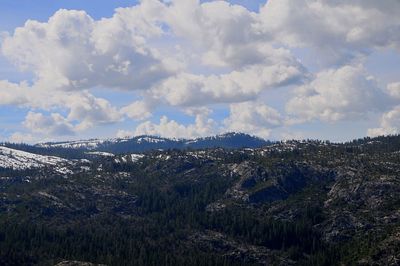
(21, 160)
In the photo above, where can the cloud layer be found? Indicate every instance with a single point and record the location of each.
(188, 55)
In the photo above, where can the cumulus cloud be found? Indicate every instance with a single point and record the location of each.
(89, 110)
(393, 89)
(138, 110)
(338, 29)
(390, 124)
(13, 94)
(230, 35)
(24, 95)
(203, 126)
(54, 124)
(337, 94)
(19, 137)
(221, 31)
(84, 109)
(72, 51)
(194, 55)
(237, 86)
(223, 35)
(254, 118)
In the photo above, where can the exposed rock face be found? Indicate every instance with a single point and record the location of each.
(257, 184)
(250, 174)
(359, 200)
(215, 241)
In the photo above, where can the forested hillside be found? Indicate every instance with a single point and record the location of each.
(288, 203)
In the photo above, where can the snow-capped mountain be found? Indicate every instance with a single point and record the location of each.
(91, 144)
(98, 144)
(21, 160)
(146, 143)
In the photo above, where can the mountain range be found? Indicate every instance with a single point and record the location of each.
(80, 148)
(232, 200)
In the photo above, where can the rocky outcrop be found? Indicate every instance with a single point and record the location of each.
(211, 241)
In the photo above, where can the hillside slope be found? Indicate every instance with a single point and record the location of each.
(290, 203)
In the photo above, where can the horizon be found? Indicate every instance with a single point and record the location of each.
(271, 141)
(190, 69)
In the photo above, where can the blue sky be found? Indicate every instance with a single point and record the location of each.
(183, 68)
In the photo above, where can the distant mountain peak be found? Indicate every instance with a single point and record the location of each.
(148, 142)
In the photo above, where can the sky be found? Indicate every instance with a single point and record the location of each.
(277, 69)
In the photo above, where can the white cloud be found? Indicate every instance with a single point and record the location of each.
(393, 89)
(90, 111)
(85, 110)
(203, 126)
(222, 32)
(337, 94)
(138, 110)
(230, 35)
(19, 137)
(338, 29)
(53, 125)
(124, 134)
(254, 118)
(72, 51)
(13, 94)
(198, 111)
(195, 54)
(24, 95)
(293, 136)
(390, 124)
(237, 86)
(225, 35)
